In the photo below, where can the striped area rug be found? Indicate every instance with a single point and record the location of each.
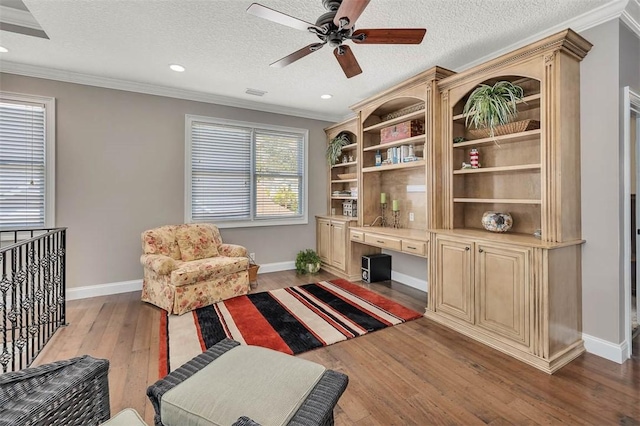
(290, 320)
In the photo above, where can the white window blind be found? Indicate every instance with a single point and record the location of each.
(244, 174)
(221, 172)
(279, 173)
(22, 165)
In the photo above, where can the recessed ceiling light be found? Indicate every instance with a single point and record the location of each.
(326, 96)
(177, 68)
(3, 49)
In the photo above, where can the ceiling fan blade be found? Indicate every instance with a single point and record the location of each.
(390, 36)
(350, 9)
(298, 54)
(278, 17)
(347, 61)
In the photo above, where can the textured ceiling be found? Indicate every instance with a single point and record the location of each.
(226, 50)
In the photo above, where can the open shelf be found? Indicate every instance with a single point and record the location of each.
(406, 117)
(496, 200)
(514, 137)
(350, 147)
(497, 169)
(343, 198)
(407, 141)
(530, 102)
(344, 180)
(351, 163)
(410, 165)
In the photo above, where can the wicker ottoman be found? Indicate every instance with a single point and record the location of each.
(245, 383)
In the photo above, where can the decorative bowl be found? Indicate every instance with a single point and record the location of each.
(496, 221)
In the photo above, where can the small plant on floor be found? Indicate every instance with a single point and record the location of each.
(307, 262)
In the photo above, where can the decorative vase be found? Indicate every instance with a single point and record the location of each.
(313, 268)
(497, 222)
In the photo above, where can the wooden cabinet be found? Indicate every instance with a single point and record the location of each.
(484, 284)
(409, 241)
(502, 291)
(339, 256)
(323, 239)
(454, 272)
(509, 290)
(338, 244)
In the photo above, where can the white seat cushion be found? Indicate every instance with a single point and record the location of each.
(264, 385)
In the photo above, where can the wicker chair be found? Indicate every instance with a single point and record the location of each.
(316, 409)
(69, 392)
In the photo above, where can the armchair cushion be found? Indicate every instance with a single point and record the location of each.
(161, 240)
(207, 269)
(196, 242)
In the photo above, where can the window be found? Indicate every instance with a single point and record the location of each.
(245, 174)
(27, 150)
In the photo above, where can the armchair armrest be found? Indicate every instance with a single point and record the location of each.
(158, 263)
(232, 250)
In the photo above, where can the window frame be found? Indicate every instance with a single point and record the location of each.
(49, 152)
(253, 221)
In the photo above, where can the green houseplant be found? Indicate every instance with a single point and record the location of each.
(307, 262)
(334, 149)
(492, 106)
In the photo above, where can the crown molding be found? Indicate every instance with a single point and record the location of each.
(152, 89)
(612, 10)
(631, 16)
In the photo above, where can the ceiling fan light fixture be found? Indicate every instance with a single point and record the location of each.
(327, 96)
(177, 68)
(3, 49)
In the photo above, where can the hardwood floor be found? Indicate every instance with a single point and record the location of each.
(415, 373)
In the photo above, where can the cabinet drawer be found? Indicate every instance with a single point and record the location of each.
(357, 236)
(384, 242)
(414, 247)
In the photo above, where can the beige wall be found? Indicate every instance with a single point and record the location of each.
(120, 170)
(600, 163)
(612, 64)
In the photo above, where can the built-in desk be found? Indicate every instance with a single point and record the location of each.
(410, 241)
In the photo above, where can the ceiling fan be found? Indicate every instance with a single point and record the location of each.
(334, 28)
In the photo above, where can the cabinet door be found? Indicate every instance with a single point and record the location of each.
(502, 291)
(338, 243)
(454, 285)
(323, 240)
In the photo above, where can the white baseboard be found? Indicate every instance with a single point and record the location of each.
(136, 285)
(413, 282)
(276, 267)
(103, 289)
(616, 352)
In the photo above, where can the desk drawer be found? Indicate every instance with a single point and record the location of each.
(414, 247)
(384, 242)
(357, 236)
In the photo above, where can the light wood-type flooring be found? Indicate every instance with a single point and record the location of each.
(418, 373)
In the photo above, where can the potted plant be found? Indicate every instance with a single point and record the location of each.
(307, 262)
(492, 106)
(334, 149)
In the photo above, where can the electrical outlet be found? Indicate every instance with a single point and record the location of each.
(411, 217)
(252, 256)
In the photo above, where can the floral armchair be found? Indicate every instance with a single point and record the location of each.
(188, 267)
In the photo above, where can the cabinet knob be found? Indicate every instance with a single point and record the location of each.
(480, 250)
(467, 248)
